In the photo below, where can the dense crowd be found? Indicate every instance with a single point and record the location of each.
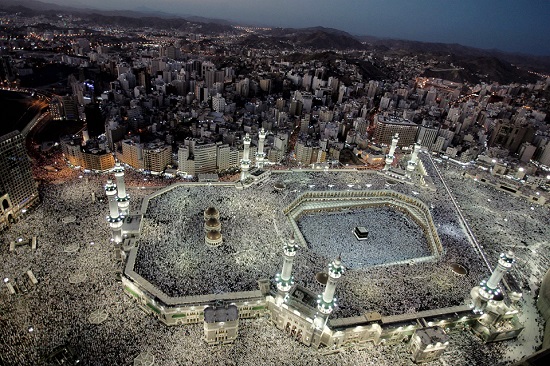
(56, 312)
(392, 236)
(173, 256)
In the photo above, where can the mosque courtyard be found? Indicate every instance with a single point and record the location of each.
(395, 262)
(79, 302)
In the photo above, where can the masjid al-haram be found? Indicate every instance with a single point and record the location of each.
(271, 263)
(172, 254)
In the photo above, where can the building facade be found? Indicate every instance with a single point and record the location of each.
(303, 314)
(16, 178)
(96, 159)
(387, 127)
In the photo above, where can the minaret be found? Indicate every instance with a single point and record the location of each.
(411, 165)
(122, 198)
(114, 219)
(284, 279)
(245, 161)
(326, 303)
(488, 289)
(390, 157)
(260, 155)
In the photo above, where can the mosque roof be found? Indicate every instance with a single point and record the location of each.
(211, 211)
(213, 235)
(225, 314)
(212, 222)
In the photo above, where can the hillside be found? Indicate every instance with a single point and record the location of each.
(528, 62)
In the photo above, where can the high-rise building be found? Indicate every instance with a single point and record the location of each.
(510, 136)
(227, 157)
(306, 99)
(243, 87)
(526, 152)
(95, 121)
(218, 103)
(427, 134)
(56, 109)
(372, 88)
(431, 96)
(265, 85)
(186, 165)
(201, 92)
(7, 69)
(70, 109)
(156, 156)
(207, 66)
(387, 127)
(296, 107)
(304, 123)
(544, 157)
(86, 158)
(307, 154)
(205, 158)
(209, 78)
(132, 154)
(16, 178)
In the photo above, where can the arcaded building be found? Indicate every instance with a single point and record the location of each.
(302, 311)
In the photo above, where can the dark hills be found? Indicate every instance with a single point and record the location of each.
(456, 62)
(531, 62)
(486, 68)
(311, 38)
(321, 39)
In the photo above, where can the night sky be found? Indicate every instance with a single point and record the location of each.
(510, 25)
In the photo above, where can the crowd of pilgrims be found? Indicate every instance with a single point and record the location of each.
(392, 236)
(174, 257)
(56, 312)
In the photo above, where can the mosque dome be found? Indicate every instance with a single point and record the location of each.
(211, 212)
(214, 235)
(212, 224)
(213, 238)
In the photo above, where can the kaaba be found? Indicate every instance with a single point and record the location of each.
(361, 233)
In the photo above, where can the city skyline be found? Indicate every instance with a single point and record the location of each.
(505, 25)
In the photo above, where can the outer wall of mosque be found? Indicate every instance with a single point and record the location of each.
(295, 314)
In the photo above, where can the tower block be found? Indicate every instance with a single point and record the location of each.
(245, 161)
(260, 155)
(390, 157)
(285, 280)
(114, 219)
(326, 301)
(123, 199)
